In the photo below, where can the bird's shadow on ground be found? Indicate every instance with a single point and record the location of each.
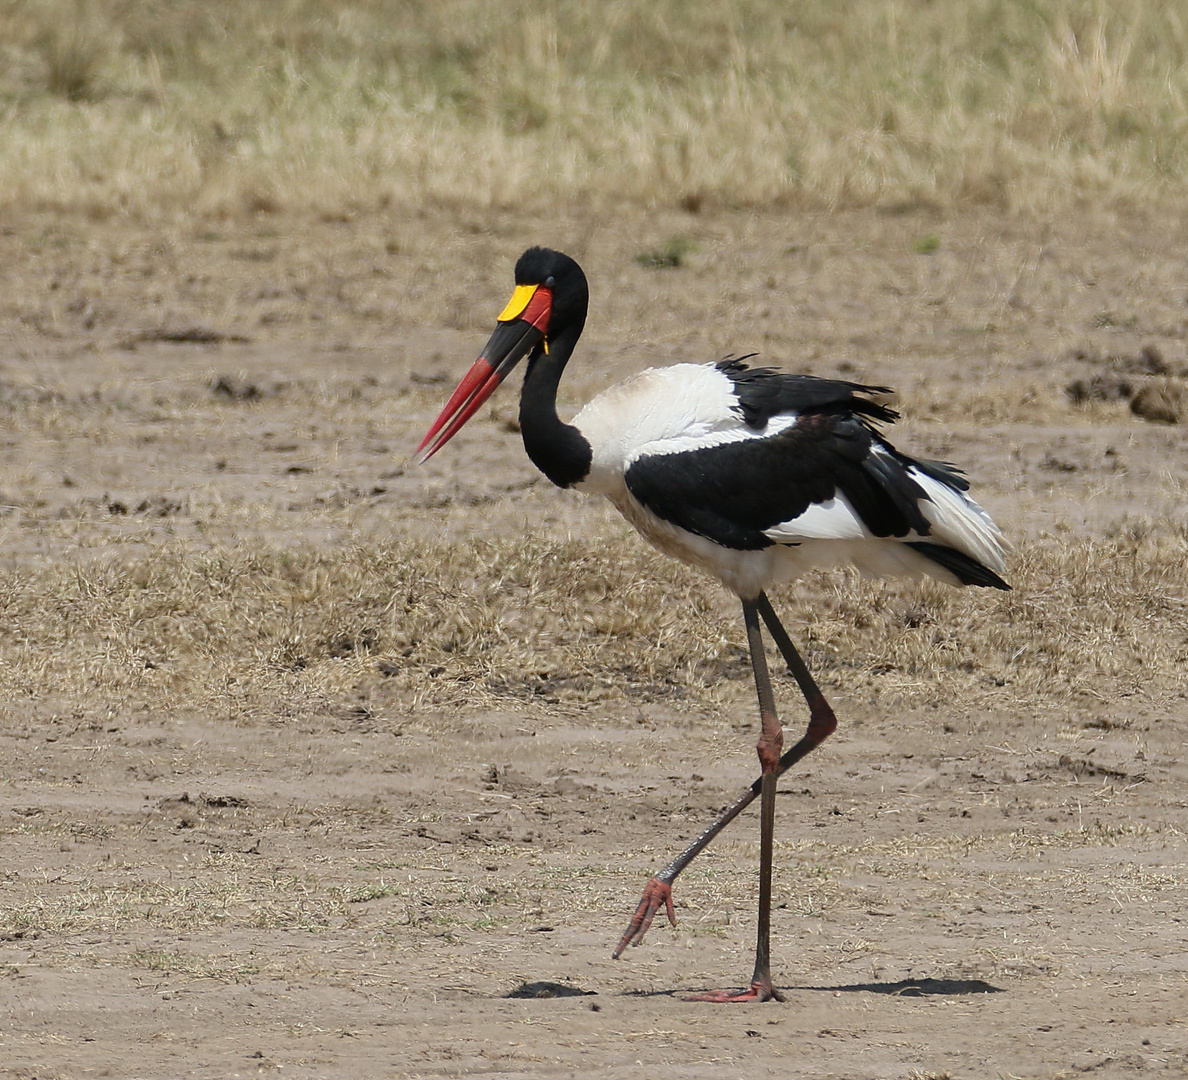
(901, 988)
(914, 988)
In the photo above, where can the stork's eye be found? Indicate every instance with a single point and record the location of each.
(550, 281)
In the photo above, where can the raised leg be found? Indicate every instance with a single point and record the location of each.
(822, 724)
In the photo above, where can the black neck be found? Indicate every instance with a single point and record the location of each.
(556, 448)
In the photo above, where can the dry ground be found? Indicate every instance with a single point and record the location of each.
(311, 758)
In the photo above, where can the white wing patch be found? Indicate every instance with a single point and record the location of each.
(834, 519)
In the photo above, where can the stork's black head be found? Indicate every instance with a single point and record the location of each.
(549, 305)
(570, 294)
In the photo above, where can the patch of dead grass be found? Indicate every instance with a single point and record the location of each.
(260, 633)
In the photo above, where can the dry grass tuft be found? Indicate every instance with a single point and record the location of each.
(74, 53)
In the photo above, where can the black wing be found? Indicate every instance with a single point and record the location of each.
(733, 493)
(764, 392)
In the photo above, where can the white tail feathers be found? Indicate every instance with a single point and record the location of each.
(961, 523)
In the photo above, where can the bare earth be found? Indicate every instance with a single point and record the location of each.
(351, 883)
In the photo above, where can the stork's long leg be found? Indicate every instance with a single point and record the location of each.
(822, 723)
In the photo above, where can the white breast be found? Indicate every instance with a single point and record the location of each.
(662, 411)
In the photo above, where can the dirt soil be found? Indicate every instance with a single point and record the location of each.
(987, 887)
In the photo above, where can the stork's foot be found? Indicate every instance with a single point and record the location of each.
(656, 893)
(758, 991)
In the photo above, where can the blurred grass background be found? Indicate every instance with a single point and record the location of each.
(224, 107)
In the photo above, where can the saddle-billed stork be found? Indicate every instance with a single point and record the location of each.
(754, 476)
